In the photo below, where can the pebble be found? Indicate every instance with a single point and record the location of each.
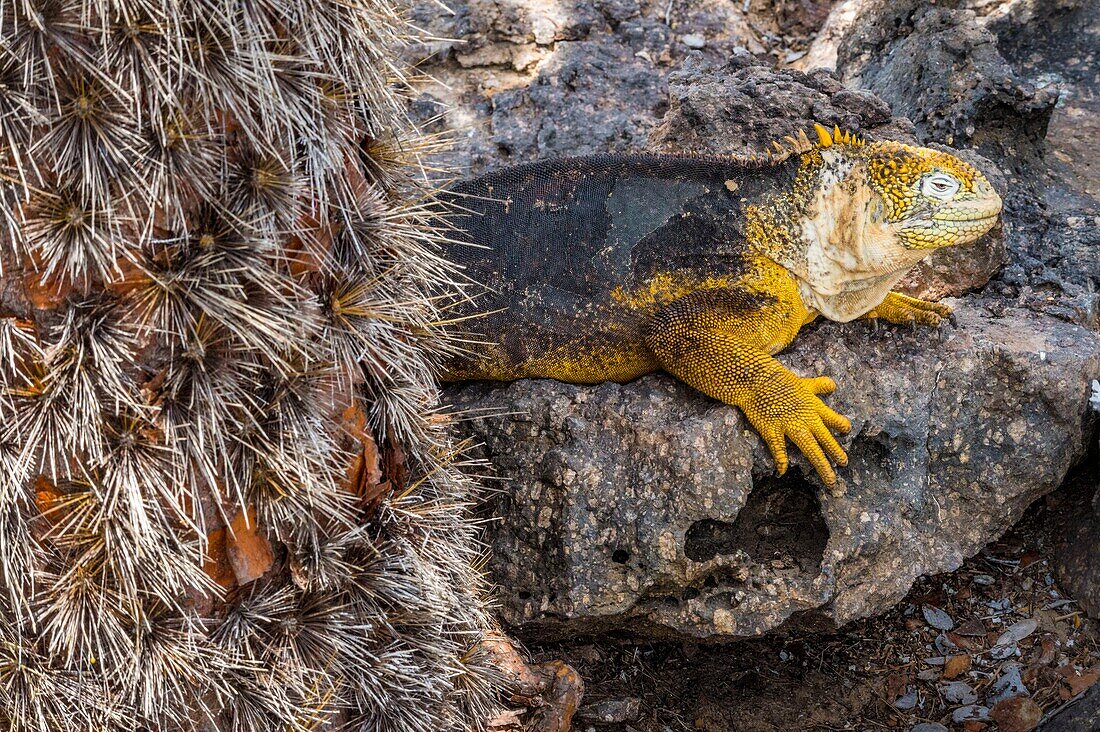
(694, 41)
(1000, 653)
(984, 579)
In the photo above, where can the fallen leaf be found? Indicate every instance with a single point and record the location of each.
(958, 692)
(1009, 684)
(970, 713)
(896, 684)
(945, 645)
(1047, 654)
(908, 700)
(1028, 559)
(972, 627)
(956, 666)
(1017, 632)
(1078, 682)
(1018, 714)
(965, 642)
(248, 550)
(937, 618)
(364, 476)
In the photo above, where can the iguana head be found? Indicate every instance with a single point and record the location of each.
(858, 215)
(927, 198)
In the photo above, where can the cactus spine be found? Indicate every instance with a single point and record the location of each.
(224, 501)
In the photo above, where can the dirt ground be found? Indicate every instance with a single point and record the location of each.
(896, 671)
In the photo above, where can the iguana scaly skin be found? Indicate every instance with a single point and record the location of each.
(607, 267)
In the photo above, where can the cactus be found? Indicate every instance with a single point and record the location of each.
(225, 499)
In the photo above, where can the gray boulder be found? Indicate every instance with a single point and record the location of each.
(1077, 562)
(649, 507)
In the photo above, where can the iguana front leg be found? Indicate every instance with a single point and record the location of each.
(903, 310)
(719, 341)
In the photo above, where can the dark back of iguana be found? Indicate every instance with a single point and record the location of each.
(551, 241)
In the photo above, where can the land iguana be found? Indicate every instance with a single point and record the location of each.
(607, 267)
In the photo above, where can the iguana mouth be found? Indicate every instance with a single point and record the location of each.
(964, 219)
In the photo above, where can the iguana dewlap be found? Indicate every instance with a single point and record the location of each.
(607, 267)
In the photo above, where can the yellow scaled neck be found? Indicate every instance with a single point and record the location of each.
(844, 254)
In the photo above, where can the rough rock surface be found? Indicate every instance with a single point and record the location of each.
(1057, 43)
(1081, 714)
(942, 68)
(1019, 84)
(651, 507)
(1078, 565)
(524, 79)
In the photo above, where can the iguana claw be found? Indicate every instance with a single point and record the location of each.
(904, 310)
(796, 412)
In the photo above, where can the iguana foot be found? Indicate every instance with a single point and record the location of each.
(905, 310)
(792, 409)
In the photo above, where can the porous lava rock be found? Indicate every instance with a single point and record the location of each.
(528, 79)
(1077, 563)
(650, 507)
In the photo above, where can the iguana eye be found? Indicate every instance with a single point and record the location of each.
(939, 185)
